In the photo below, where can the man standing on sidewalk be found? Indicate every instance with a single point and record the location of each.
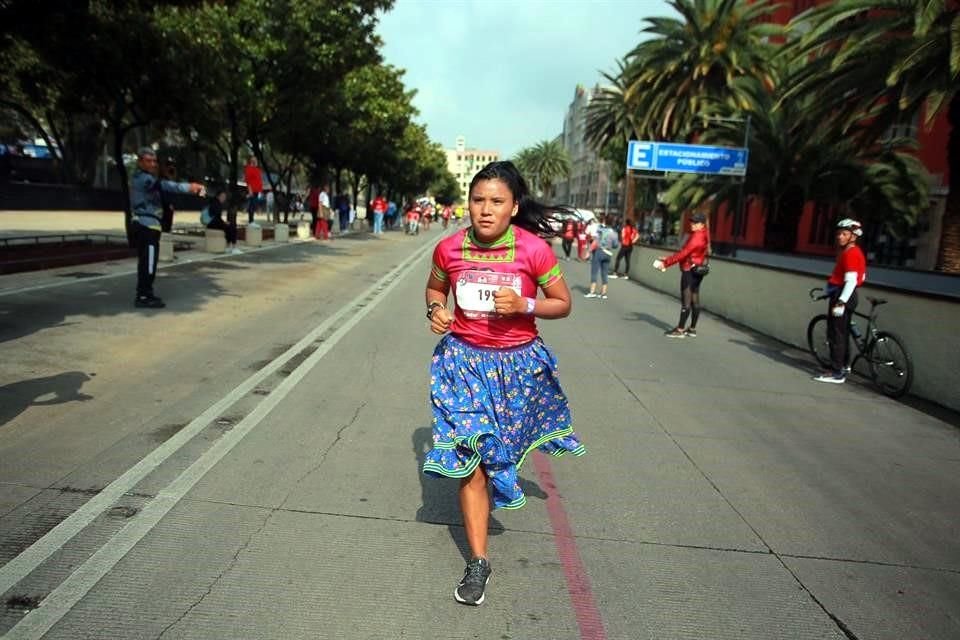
(146, 209)
(254, 179)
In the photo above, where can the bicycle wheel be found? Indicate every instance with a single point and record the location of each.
(817, 340)
(890, 365)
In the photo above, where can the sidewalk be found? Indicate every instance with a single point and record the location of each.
(32, 223)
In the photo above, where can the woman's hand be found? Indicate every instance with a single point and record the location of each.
(507, 302)
(440, 320)
(658, 264)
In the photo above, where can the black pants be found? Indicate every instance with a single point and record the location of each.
(625, 254)
(229, 230)
(838, 333)
(567, 246)
(689, 298)
(147, 241)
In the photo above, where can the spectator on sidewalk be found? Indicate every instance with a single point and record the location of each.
(494, 386)
(313, 205)
(342, 205)
(692, 257)
(567, 235)
(601, 252)
(849, 272)
(146, 208)
(392, 214)
(326, 213)
(581, 240)
(254, 179)
(215, 211)
(629, 236)
(379, 210)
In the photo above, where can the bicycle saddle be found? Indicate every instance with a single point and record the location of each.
(876, 301)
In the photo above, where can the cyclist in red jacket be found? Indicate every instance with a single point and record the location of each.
(848, 274)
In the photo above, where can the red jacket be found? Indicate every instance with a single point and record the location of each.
(694, 251)
(253, 178)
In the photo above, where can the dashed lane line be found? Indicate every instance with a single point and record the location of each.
(82, 580)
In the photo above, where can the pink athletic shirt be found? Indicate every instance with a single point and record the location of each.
(474, 270)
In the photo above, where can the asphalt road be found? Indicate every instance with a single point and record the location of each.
(244, 464)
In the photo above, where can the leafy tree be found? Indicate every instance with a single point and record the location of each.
(543, 164)
(900, 55)
(803, 161)
(704, 57)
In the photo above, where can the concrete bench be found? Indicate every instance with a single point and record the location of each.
(281, 232)
(166, 248)
(216, 240)
(304, 232)
(253, 235)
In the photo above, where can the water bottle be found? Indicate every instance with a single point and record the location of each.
(854, 329)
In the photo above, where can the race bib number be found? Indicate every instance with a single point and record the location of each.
(475, 291)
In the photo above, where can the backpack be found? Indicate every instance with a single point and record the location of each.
(609, 239)
(205, 217)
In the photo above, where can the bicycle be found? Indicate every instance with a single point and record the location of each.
(888, 362)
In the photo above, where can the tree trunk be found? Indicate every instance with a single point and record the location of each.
(780, 233)
(118, 135)
(356, 189)
(234, 161)
(948, 255)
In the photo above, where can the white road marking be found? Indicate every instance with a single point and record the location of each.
(119, 274)
(61, 599)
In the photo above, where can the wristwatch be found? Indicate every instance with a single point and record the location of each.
(531, 305)
(430, 307)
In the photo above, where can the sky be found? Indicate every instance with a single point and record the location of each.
(503, 72)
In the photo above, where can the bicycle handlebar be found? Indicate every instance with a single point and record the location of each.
(815, 294)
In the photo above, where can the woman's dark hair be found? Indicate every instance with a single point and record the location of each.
(544, 220)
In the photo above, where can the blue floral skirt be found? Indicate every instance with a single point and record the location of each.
(493, 407)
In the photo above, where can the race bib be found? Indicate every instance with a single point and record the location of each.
(475, 291)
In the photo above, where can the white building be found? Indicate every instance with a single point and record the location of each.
(465, 163)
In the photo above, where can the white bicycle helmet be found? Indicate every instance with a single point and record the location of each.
(851, 225)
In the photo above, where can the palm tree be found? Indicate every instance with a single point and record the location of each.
(543, 164)
(611, 115)
(899, 55)
(669, 79)
(663, 85)
(524, 163)
(802, 160)
(552, 162)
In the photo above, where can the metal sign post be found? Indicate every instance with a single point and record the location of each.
(686, 158)
(664, 158)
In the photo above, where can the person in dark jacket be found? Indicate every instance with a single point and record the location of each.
(693, 252)
(215, 207)
(146, 209)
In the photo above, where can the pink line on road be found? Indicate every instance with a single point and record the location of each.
(578, 583)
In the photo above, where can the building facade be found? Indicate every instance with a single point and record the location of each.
(815, 233)
(464, 163)
(589, 185)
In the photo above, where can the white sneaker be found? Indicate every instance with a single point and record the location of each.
(590, 295)
(613, 276)
(236, 251)
(603, 296)
(830, 377)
